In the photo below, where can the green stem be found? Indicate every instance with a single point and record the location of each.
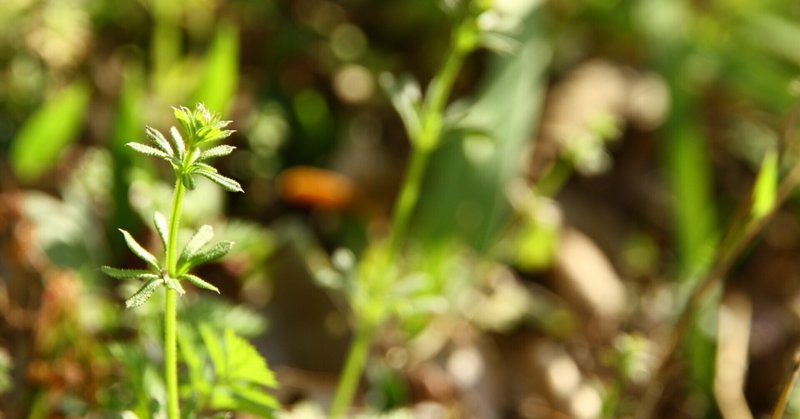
(170, 309)
(422, 145)
(356, 358)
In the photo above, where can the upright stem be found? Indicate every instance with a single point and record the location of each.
(422, 145)
(356, 358)
(170, 309)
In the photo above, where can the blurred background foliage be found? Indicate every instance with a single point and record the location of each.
(591, 161)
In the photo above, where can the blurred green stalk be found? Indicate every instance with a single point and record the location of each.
(422, 144)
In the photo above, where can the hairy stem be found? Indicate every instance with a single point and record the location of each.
(170, 309)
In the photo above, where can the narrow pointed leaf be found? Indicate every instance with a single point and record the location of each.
(173, 283)
(201, 238)
(144, 293)
(179, 144)
(226, 183)
(127, 273)
(183, 115)
(159, 139)
(218, 151)
(766, 186)
(215, 252)
(149, 151)
(140, 251)
(188, 181)
(160, 223)
(200, 167)
(199, 282)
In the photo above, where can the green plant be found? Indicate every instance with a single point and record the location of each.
(374, 292)
(187, 153)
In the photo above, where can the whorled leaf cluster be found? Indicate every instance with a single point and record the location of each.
(186, 154)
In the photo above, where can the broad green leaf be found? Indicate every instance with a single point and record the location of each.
(148, 151)
(221, 68)
(203, 235)
(215, 351)
(199, 282)
(48, 131)
(766, 185)
(160, 222)
(140, 251)
(246, 364)
(218, 151)
(179, 144)
(215, 252)
(159, 139)
(128, 273)
(226, 183)
(144, 293)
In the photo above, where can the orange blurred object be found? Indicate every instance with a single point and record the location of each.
(315, 187)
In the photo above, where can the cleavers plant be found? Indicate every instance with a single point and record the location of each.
(187, 153)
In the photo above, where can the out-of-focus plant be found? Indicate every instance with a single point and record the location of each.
(372, 285)
(187, 156)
